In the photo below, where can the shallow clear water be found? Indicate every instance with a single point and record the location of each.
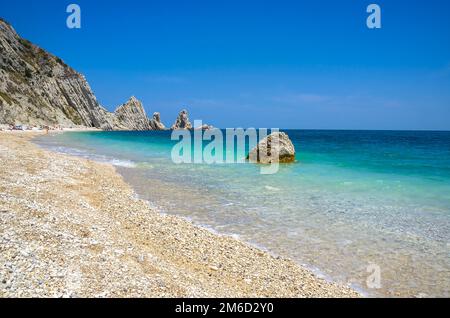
(352, 199)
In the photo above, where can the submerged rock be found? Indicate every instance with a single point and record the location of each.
(182, 121)
(204, 127)
(277, 147)
(155, 122)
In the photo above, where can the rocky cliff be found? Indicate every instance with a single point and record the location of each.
(38, 88)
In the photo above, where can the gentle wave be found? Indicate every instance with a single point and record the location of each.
(91, 156)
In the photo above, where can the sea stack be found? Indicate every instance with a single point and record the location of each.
(182, 121)
(131, 116)
(277, 147)
(155, 122)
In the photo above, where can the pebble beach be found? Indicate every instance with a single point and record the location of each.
(71, 227)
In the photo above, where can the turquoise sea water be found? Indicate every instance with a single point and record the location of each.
(352, 199)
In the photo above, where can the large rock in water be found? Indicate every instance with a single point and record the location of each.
(131, 116)
(277, 147)
(182, 121)
(155, 123)
(38, 88)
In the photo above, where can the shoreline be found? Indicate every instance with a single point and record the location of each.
(73, 227)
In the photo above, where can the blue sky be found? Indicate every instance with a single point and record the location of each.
(287, 64)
